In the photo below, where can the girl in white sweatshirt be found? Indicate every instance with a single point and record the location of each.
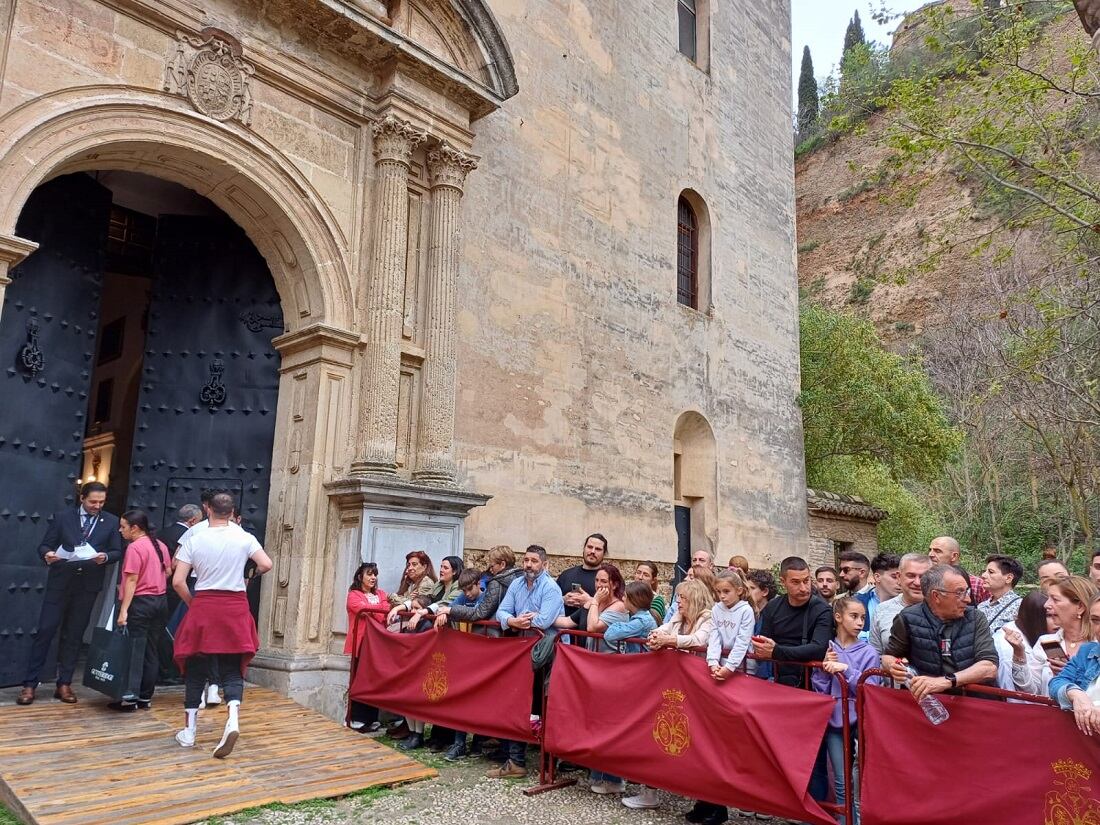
(733, 620)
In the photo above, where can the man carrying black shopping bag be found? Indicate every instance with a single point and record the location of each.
(78, 547)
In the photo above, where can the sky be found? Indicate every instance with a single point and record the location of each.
(820, 24)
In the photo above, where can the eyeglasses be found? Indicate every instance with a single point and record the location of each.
(958, 594)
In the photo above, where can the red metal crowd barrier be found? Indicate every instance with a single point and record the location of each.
(548, 779)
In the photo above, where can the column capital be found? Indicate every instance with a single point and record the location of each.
(449, 167)
(396, 139)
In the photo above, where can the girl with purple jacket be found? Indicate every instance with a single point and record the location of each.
(846, 659)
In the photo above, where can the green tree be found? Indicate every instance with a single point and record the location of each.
(1014, 120)
(860, 401)
(809, 105)
(853, 35)
(872, 424)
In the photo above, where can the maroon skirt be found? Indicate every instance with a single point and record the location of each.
(218, 621)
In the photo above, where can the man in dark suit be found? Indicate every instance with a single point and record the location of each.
(78, 546)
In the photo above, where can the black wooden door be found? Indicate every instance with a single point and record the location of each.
(683, 541)
(210, 378)
(47, 337)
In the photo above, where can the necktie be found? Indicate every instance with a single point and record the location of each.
(87, 526)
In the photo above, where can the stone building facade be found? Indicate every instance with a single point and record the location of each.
(470, 210)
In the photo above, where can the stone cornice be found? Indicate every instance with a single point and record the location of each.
(13, 250)
(407, 495)
(317, 342)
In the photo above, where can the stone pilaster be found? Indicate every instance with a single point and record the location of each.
(394, 142)
(435, 444)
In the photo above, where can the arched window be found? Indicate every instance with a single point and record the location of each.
(687, 255)
(688, 15)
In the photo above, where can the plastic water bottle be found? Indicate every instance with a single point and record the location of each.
(933, 708)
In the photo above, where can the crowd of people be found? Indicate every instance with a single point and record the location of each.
(921, 618)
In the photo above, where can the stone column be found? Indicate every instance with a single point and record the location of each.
(394, 142)
(434, 452)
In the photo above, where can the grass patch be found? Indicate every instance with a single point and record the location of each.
(853, 191)
(308, 806)
(861, 291)
(7, 817)
(808, 246)
(904, 326)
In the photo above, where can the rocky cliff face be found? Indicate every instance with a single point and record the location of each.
(864, 245)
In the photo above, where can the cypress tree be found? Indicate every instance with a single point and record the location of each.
(854, 33)
(808, 102)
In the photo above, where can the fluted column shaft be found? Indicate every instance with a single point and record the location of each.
(394, 142)
(435, 464)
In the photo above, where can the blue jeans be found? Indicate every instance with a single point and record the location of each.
(834, 744)
(600, 776)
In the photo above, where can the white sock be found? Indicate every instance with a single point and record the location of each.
(192, 718)
(233, 706)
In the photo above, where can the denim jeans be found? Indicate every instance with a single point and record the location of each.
(834, 744)
(600, 776)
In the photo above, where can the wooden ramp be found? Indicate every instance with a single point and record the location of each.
(85, 764)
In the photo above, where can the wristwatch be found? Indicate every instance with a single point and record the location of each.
(953, 680)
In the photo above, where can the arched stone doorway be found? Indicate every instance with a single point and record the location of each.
(272, 202)
(695, 486)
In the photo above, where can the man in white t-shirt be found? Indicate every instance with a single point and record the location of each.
(210, 695)
(218, 626)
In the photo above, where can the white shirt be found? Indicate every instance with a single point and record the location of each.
(217, 556)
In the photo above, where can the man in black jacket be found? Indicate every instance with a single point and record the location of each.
(797, 628)
(78, 546)
(945, 639)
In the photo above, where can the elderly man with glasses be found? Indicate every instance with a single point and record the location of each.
(944, 638)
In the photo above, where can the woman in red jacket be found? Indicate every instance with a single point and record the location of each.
(364, 595)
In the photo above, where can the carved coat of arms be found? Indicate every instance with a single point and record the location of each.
(209, 71)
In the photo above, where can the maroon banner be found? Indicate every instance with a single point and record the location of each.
(461, 680)
(990, 762)
(660, 719)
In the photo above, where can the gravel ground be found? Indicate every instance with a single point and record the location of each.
(462, 795)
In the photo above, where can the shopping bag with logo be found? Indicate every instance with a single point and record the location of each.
(114, 663)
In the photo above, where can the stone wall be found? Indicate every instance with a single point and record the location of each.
(575, 360)
(827, 529)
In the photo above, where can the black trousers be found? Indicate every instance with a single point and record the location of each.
(66, 609)
(197, 674)
(146, 619)
(361, 712)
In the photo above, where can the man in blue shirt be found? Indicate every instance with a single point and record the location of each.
(532, 602)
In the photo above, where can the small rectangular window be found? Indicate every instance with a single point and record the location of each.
(688, 28)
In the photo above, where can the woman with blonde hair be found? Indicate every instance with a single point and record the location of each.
(690, 626)
(1068, 603)
(1077, 687)
(708, 578)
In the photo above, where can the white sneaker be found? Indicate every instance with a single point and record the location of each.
(212, 697)
(646, 799)
(609, 787)
(229, 739)
(597, 787)
(186, 738)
